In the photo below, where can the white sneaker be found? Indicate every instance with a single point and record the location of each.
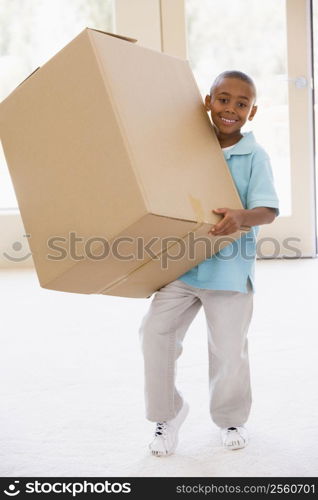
(234, 438)
(166, 434)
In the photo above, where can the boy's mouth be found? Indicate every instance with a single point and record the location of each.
(228, 121)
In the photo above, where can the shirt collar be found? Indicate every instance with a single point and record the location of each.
(244, 146)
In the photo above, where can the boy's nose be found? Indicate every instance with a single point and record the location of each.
(229, 109)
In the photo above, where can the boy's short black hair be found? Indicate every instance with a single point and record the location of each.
(233, 74)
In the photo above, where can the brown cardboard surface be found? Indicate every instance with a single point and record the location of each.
(133, 40)
(179, 136)
(109, 139)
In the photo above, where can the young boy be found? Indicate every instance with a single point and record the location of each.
(223, 284)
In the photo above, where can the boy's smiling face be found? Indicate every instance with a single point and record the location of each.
(231, 104)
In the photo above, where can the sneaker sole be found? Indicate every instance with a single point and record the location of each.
(159, 454)
(235, 447)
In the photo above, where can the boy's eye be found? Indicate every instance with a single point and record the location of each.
(223, 100)
(241, 105)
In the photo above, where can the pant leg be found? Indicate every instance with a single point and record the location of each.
(162, 331)
(228, 315)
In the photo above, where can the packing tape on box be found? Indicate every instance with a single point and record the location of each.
(199, 212)
(197, 208)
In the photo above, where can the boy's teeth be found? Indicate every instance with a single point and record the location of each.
(227, 121)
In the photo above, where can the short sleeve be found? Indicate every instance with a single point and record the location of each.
(261, 190)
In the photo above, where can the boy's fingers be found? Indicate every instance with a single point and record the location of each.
(220, 210)
(223, 230)
(228, 230)
(221, 226)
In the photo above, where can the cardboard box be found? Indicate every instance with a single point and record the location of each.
(110, 140)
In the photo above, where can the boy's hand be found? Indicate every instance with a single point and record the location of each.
(231, 222)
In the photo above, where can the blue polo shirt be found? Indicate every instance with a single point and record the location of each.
(231, 267)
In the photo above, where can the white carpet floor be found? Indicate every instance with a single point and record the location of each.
(72, 384)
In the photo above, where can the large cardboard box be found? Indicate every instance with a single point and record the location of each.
(116, 167)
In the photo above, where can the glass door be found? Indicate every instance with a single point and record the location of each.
(315, 64)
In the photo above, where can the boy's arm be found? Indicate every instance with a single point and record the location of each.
(233, 219)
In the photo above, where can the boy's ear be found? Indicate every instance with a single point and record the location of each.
(252, 113)
(207, 102)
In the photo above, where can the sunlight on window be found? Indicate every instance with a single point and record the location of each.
(30, 34)
(315, 48)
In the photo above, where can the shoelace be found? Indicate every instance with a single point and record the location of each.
(160, 428)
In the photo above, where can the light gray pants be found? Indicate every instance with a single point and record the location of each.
(228, 315)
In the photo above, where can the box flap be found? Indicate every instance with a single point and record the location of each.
(122, 37)
(27, 77)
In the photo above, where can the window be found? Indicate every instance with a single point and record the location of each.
(30, 34)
